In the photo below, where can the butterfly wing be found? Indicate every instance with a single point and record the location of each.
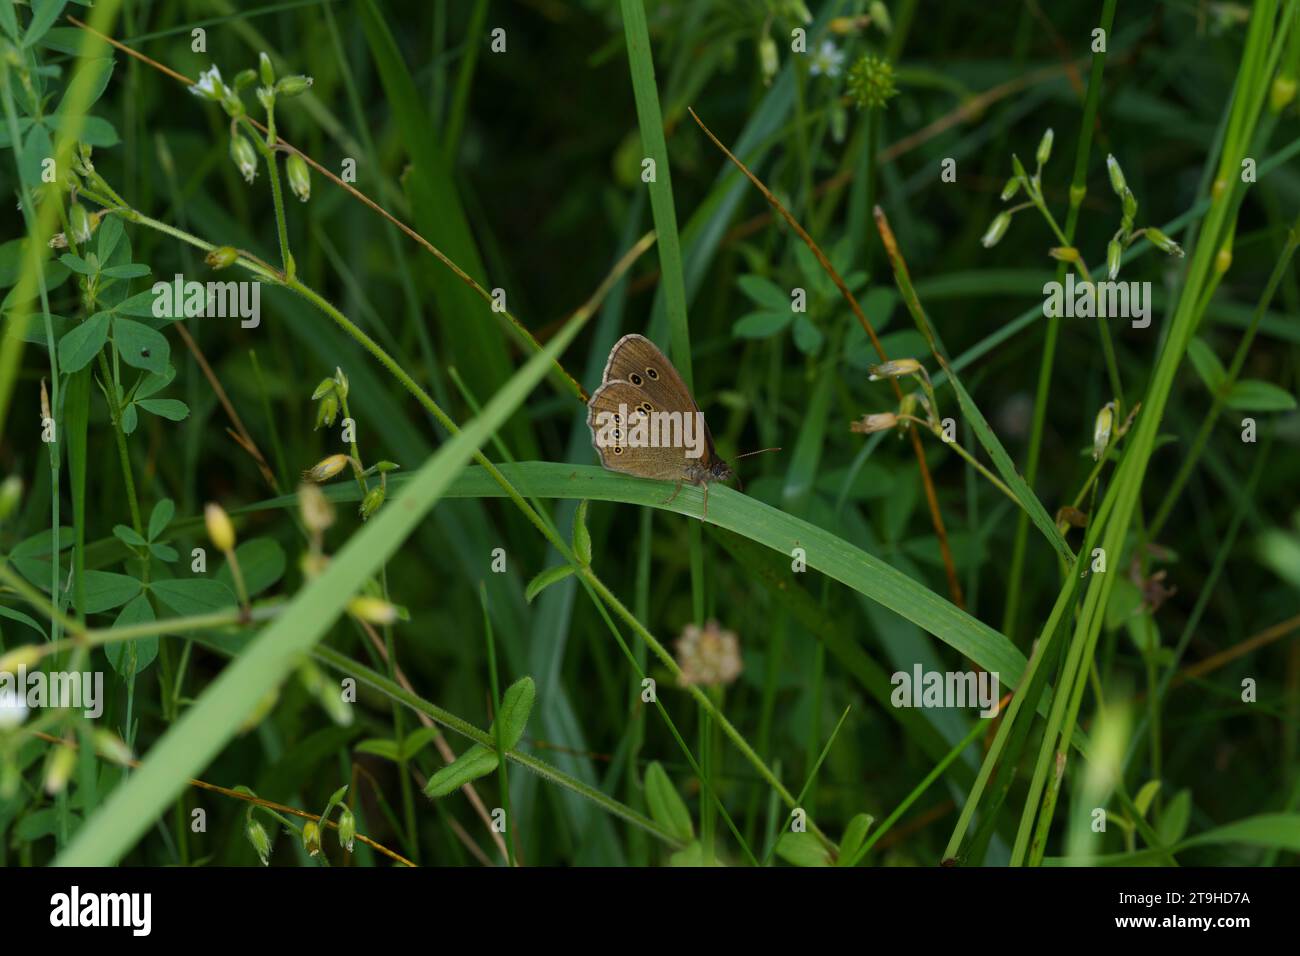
(623, 399)
(638, 361)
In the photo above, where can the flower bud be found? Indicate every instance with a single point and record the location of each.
(294, 85)
(1101, 430)
(328, 410)
(373, 499)
(257, 836)
(1223, 260)
(1064, 254)
(317, 512)
(59, 767)
(1116, 174)
(1011, 188)
(28, 655)
(326, 386)
(767, 58)
(299, 177)
(244, 157)
(245, 78)
(79, 224)
(11, 492)
(1163, 242)
(373, 610)
(879, 14)
(1114, 250)
(222, 257)
(111, 747)
(1281, 93)
(13, 711)
(220, 530)
(265, 68)
(1130, 210)
(1045, 147)
(347, 829)
(326, 468)
(870, 424)
(996, 230)
(895, 368)
(311, 834)
(341, 384)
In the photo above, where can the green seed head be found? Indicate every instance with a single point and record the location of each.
(871, 82)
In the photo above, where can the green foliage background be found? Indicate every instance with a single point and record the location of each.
(524, 168)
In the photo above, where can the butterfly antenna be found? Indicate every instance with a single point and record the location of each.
(759, 452)
(740, 484)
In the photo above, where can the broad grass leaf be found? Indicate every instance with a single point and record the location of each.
(105, 590)
(190, 596)
(1252, 395)
(161, 517)
(476, 762)
(1174, 820)
(545, 579)
(855, 834)
(261, 561)
(693, 855)
(379, 747)
(581, 536)
(666, 805)
(765, 292)
(1271, 830)
(516, 705)
(22, 618)
(131, 657)
(171, 409)
(1206, 363)
(760, 325)
(128, 536)
(807, 337)
(140, 346)
(81, 343)
(802, 849)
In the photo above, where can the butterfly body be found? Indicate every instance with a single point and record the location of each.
(645, 422)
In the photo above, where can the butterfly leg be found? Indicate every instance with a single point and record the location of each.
(676, 491)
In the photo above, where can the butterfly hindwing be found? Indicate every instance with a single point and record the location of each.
(624, 399)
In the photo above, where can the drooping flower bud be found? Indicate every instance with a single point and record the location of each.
(299, 176)
(257, 836)
(326, 468)
(996, 230)
(347, 829)
(244, 157)
(311, 837)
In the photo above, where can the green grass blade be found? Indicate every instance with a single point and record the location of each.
(200, 734)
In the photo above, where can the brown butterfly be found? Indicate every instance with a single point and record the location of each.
(642, 396)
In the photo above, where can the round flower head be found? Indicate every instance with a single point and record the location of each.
(708, 656)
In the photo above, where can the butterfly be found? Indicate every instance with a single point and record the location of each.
(634, 419)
